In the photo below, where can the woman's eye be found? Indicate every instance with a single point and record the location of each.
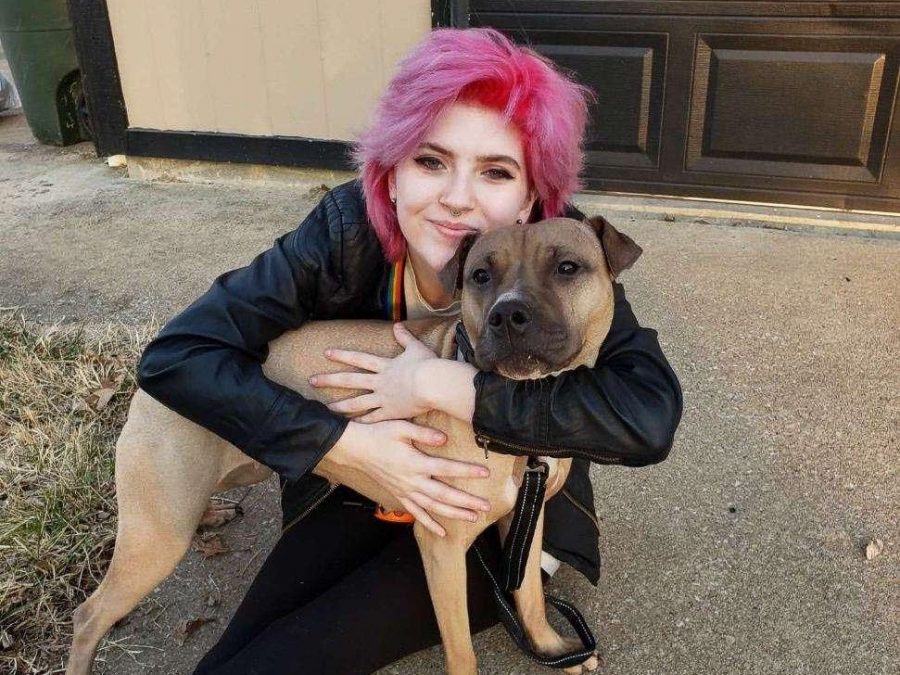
(481, 276)
(499, 173)
(431, 163)
(567, 268)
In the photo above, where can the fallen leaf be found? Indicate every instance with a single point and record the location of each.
(874, 548)
(317, 190)
(218, 515)
(103, 397)
(188, 627)
(107, 390)
(669, 218)
(210, 547)
(80, 405)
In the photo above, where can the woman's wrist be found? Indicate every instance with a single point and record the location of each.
(448, 386)
(344, 451)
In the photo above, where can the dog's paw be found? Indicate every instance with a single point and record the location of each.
(593, 663)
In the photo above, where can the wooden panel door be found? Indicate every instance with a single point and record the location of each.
(774, 102)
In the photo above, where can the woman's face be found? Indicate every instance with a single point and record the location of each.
(468, 175)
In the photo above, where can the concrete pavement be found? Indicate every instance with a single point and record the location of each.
(741, 554)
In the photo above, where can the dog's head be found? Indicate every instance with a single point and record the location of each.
(538, 298)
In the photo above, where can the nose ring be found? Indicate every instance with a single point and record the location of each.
(455, 213)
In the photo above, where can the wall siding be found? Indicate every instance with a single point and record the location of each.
(307, 68)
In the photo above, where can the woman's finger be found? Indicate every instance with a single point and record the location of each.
(402, 335)
(446, 494)
(377, 415)
(420, 434)
(362, 360)
(452, 468)
(355, 404)
(422, 516)
(443, 509)
(365, 381)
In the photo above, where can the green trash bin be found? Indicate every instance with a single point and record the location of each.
(39, 44)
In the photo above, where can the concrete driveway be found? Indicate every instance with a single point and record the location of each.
(741, 554)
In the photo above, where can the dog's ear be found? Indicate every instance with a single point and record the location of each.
(452, 275)
(620, 250)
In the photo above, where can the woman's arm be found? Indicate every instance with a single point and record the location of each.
(206, 363)
(624, 410)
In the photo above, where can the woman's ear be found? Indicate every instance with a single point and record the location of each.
(392, 185)
(528, 207)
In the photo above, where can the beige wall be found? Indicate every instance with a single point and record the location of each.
(311, 68)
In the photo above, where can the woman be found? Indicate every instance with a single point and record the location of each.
(473, 133)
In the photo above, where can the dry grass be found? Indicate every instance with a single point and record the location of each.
(63, 399)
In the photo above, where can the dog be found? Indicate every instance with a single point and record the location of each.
(536, 300)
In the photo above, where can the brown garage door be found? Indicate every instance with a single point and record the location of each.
(789, 102)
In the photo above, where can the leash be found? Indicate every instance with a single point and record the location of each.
(529, 503)
(507, 612)
(514, 558)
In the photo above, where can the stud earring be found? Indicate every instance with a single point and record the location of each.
(394, 201)
(519, 221)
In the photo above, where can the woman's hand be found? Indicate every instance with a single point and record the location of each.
(385, 452)
(395, 392)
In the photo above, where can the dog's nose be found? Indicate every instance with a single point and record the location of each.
(512, 315)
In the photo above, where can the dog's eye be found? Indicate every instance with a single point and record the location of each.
(481, 276)
(567, 267)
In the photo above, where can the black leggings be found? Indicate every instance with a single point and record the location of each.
(341, 593)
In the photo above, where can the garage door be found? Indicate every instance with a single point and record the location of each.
(789, 102)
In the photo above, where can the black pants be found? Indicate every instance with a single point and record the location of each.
(341, 593)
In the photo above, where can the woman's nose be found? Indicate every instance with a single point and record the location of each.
(458, 194)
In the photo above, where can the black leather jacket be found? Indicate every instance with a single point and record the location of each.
(206, 365)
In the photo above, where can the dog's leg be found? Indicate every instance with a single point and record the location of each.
(532, 610)
(157, 520)
(444, 559)
(142, 559)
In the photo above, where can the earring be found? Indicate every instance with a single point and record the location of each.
(519, 221)
(394, 201)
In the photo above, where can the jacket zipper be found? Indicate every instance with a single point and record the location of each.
(581, 508)
(484, 442)
(331, 488)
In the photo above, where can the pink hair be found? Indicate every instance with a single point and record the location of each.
(475, 65)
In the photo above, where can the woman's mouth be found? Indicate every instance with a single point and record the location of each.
(452, 230)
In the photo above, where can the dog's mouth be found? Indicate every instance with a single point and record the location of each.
(526, 357)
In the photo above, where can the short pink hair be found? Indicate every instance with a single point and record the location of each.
(482, 66)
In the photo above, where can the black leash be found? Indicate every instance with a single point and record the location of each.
(521, 531)
(507, 611)
(529, 503)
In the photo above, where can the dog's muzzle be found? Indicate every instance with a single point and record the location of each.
(519, 342)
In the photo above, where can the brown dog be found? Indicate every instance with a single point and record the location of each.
(537, 299)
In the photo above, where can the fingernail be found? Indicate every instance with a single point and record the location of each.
(485, 473)
(314, 380)
(473, 518)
